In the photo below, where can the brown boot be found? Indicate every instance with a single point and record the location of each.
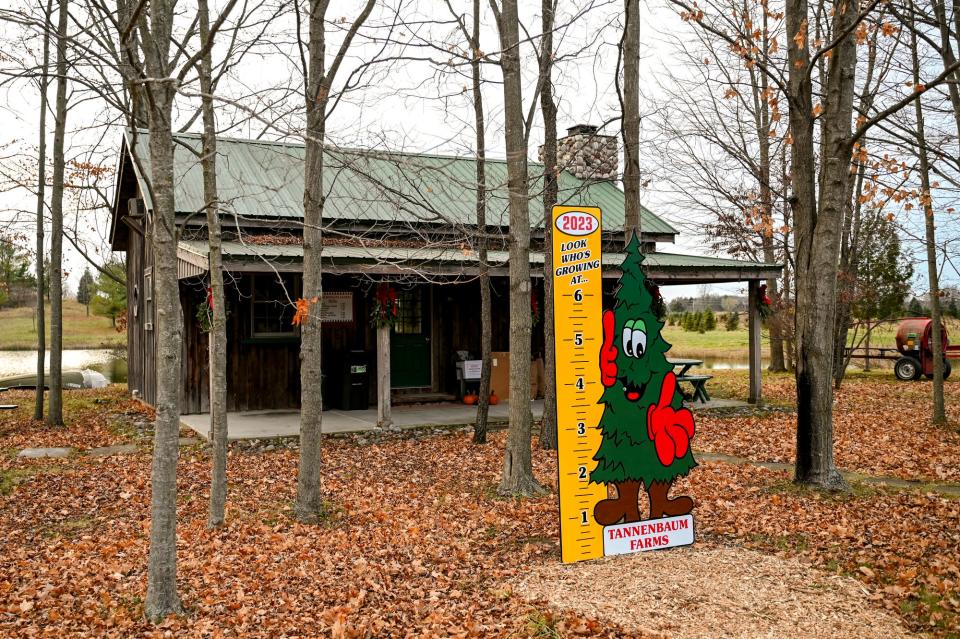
(662, 506)
(625, 507)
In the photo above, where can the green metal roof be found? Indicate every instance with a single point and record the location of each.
(412, 257)
(265, 179)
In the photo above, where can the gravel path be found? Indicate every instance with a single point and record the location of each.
(703, 592)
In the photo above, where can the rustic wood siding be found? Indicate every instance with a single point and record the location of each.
(141, 349)
(262, 373)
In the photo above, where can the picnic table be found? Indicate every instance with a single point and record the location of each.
(698, 382)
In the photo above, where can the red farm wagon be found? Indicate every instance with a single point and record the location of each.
(914, 352)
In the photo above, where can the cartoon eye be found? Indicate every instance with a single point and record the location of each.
(638, 337)
(639, 342)
(628, 338)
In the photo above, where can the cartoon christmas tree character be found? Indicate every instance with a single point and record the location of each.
(645, 428)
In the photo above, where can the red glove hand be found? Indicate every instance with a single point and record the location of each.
(671, 430)
(608, 352)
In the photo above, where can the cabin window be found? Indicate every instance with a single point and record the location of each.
(273, 304)
(409, 313)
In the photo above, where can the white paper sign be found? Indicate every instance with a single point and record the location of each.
(336, 308)
(472, 368)
(651, 534)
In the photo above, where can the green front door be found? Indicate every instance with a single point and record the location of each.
(410, 353)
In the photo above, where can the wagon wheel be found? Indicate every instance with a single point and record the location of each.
(907, 369)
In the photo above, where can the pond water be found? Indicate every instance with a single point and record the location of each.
(111, 363)
(724, 363)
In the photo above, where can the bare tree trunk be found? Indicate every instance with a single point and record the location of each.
(850, 239)
(162, 598)
(41, 190)
(55, 411)
(866, 364)
(309, 506)
(789, 342)
(947, 54)
(517, 464)
(548, 436)
(818, 234)
(130, 63)
(217, 344)
(631, 120)
(486, 330)
(760, 84)
(936, 314)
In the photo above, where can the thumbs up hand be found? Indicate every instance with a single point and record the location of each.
(671, 430)
(608, 352)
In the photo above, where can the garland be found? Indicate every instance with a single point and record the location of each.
(205, 312)
(384, 312)
(764, 303)
(657, 305)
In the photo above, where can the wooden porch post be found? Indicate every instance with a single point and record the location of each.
(384, 420)
(753, 328)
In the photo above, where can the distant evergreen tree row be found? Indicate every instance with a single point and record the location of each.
(715, 303)
(702, 321)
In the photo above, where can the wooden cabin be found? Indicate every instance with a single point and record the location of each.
(403, 220)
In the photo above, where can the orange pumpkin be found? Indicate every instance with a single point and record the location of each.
(470, 400)
(494, 400)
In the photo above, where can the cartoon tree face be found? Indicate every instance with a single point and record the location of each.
(641, 349)
(635, 368)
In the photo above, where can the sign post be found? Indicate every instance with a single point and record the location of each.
(621, 423)
(578, 304)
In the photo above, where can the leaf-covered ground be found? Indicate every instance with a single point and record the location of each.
(881, 426)
(417, 543)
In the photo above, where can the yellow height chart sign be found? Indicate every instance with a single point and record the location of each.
(578, 306)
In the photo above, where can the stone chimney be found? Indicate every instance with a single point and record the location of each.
(587, 154)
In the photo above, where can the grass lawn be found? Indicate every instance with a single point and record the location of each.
(719, 343)
(725, 344)
(79, 330)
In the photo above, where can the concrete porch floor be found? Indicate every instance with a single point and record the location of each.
(286, 423)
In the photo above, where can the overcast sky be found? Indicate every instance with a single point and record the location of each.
(407, 107)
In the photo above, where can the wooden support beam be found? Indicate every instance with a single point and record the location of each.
(753, 328)
(384, 419)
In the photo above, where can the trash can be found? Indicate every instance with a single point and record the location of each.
(356, 381)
